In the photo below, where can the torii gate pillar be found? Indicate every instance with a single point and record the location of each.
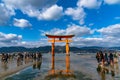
(59, 39)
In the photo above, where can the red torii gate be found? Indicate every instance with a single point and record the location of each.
(60, 38)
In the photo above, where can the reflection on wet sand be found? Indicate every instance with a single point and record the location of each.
(19, 63)
(14, 63)
(116, 68)
(60, 74)
(4, 66)
(11, 65)
(108, 70)
(37, 64)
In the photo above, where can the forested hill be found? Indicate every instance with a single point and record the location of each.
(58, 49)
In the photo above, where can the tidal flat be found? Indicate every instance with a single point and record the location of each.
(83, 67)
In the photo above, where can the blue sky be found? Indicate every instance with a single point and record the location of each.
(25, 22)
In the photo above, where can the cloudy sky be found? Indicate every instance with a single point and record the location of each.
(93, 22)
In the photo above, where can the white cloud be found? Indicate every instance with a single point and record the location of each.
(71, 29)
(91, 41)
(22, 23)
(9, 39)
(90, 4)
(33, 8)
(110, 35)
(52, 13)
(5, 14)
(26, 4)
(81, 42)
(76, 13)
(112, 30)
(110, 2)
(30, 44)
(78, 30)
(40, 9)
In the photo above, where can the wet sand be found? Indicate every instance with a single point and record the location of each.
(83, 67)
(12, 71)
(78, 67)
(12, 67)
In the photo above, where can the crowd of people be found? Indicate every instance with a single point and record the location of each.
(107, 58)
(5, 57)
(107, 63)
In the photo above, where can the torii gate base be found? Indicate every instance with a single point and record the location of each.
(58, 38)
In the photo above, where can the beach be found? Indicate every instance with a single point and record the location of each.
(83, 67)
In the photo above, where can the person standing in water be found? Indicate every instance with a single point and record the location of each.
(98, 57)
(106, 58)
(111, 57)
(102, 58)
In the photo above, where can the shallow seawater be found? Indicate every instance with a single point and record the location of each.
(26, 74)
(32, 74)
(39, 73)
(29, 73)
(83, 67)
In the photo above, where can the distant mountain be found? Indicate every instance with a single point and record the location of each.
(58, 49)
(13, 49)
(23, 49)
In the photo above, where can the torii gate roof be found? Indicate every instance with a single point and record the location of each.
(59, 36)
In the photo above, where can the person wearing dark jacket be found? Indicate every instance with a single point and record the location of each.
(111, 57)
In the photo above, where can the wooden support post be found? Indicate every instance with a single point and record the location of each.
(67, 63)
(53, 58)
(67, 57)
(67, 47)
(53, 65)
(53, 51)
